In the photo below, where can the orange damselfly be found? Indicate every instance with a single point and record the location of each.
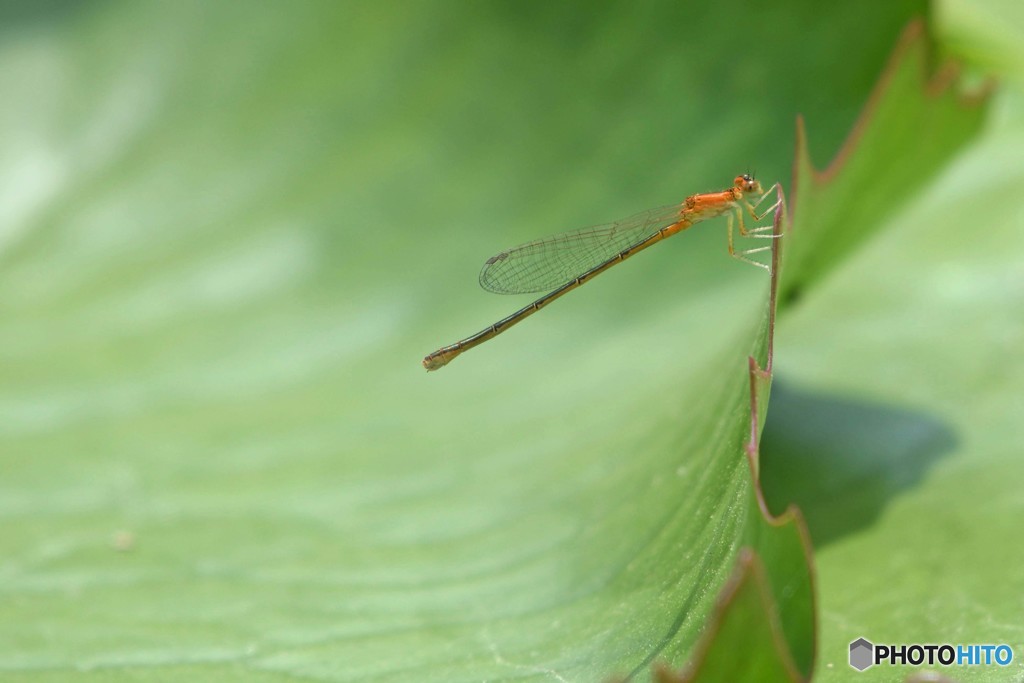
(561, 263)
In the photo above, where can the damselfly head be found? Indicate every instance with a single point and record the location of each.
(747, 184)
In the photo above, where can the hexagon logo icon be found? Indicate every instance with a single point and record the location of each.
(861, 654)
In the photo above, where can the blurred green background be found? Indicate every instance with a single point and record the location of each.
(229, 231)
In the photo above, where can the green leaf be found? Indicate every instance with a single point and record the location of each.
(821, 211)
(229, 233)
(910, 127)
(895, 424)
(986, 34)
(742, 628)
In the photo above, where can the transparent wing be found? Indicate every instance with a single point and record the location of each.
(544, 264)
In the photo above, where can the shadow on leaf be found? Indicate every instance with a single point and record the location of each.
(841, 460)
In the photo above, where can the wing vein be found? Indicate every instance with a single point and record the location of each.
(545, 264)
